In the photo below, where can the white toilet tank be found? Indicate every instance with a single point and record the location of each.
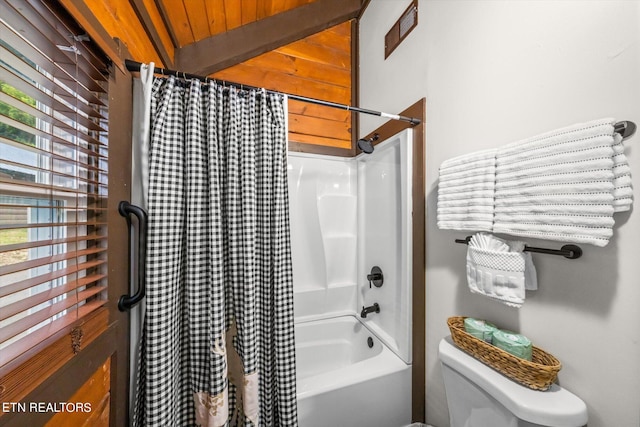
(479, 396)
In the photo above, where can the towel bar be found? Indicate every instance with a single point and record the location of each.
(567, 251)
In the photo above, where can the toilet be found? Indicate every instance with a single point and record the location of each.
(479, 396)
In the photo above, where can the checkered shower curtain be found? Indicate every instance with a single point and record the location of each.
(218, 338)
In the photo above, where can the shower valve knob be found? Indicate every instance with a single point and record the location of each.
(376, 277)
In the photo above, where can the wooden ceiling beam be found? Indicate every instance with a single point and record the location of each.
(153, 22)
(224, 50)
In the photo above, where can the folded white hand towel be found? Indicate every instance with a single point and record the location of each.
(530, 273)
(499, 270)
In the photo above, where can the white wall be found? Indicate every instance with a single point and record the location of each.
(494, 72)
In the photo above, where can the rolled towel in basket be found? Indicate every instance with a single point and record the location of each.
(480, 329)
(499, 270)
(513, 343)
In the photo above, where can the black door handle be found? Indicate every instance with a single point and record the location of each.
(126, 302)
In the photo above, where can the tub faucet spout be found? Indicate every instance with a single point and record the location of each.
(375, 308)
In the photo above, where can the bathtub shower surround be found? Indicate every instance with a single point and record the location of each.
(563, 185)
(322, 199)
(385, 240)
(348, 216)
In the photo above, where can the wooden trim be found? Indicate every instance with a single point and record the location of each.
(355, 83)
(87, 20)
(365, 4)
(152, 31)
(224, 50)
(300, 147)
(19, 381)
(419, 263)
(418, 370)
(64, 383)
(120, 137)
(92, 396)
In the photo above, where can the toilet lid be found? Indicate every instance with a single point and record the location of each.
(555, 407)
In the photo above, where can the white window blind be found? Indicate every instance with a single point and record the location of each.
(53, 176)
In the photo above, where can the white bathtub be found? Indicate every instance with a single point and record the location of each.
(342, 382)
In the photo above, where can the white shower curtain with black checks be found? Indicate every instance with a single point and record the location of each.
(218, 337)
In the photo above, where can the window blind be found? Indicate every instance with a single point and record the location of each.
(53, 175)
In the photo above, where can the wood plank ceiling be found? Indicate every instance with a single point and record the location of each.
(302, 47)
(319, 66)
(193, 20)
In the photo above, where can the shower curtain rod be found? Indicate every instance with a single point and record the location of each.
(135, 66)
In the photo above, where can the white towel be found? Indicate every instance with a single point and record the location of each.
(530, 273)
(466, 192)
(563, 185)
(623, 191)
(499, 269)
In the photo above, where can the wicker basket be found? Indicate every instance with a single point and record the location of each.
(538, 374)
